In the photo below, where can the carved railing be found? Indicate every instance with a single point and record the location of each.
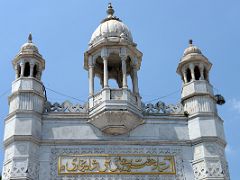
(65, 107)
(158, 108)
(116, 94)
(161, 108)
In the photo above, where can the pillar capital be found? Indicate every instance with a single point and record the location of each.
(31, 62)
(201, 66)
(104, 53)
(123, 52)
(21, 63)
(191, 66)
(123, 58)
(91, 62)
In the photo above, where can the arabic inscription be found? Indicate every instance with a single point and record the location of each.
(115, 164)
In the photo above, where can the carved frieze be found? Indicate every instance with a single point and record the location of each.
(65, 107)
(216, 168)
(161, 108)
(21, 168)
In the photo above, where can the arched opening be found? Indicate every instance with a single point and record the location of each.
(35, 70)
(189, 76)
(197, 73)
(98, 84)
(18, 71)
(113, 84)
(205, 74)
(27, 69)
(130, 83)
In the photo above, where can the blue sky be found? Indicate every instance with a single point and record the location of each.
(62, 29)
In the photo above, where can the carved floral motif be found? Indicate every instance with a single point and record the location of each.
(211, 169)
(65, 107)
(161, 108)
(25, 168)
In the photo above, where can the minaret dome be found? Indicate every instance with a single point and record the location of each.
(29, 62)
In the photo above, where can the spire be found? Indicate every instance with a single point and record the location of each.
(30, 38)
(110, 10)
(190, 42)
(110, 14)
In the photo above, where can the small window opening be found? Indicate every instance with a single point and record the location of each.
(197, 73)
(27, 69)
(98, 84)
(18, 71)
(189, 76)
(35, 71)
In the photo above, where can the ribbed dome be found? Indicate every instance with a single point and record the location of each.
(29, 46)
(111, 27)
(192, 49)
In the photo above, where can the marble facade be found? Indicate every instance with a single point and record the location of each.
(114, 136)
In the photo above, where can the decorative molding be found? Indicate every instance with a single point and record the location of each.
(161, 108)
(66, 106)
(214, 168)
(21, 168)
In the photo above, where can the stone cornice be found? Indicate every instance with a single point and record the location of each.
(15, 138)
(73, 142)
(23, 113)
(197, 94)
(209, 139)
(204, 114)
(24, 91)
(62, 116)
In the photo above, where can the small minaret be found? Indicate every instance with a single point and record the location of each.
(23, 124)
(205, 126)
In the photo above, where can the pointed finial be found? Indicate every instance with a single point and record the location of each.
(110, 10)
(190, 42)
(30, 38)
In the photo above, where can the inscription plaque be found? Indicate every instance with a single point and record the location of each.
(115, 164)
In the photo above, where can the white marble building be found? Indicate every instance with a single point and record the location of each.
(114, 135)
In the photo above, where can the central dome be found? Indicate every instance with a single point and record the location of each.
(111, 27)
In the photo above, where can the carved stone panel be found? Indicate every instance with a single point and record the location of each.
(145, 158)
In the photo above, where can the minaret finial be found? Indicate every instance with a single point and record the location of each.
(190, 42)
(30, 38)
(110, 10)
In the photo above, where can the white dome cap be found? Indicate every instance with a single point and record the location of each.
(29, 46)
(192, 49)
(111, 27)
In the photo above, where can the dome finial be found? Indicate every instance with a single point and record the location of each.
(110, 10)
(190, 42)
(30, 38)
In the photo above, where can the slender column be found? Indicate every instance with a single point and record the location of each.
(22, 65)
(39, 73)
(135, 80)
(31, 69)
(201, 67)
(105, 70)
(91, 80)
(17, 71)
(124, 72)
(184, 74)
(191, 66)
